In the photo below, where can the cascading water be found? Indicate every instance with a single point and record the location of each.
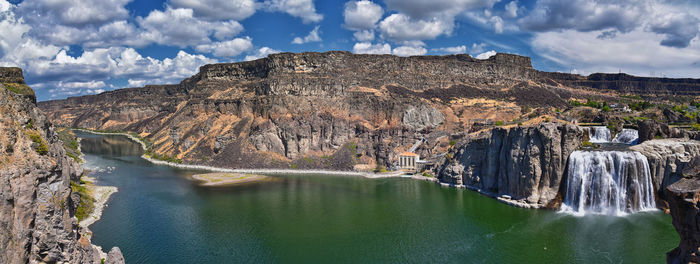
(627, 136)
(608, 182)
(598, 134)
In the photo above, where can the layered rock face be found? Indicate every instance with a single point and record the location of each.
(667, 160)
(526, 163)
(684, 203)
(287, 108)
(37, 223)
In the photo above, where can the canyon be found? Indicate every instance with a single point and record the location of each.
(497, 126)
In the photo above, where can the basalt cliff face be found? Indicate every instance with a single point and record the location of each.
(684, 203)
(37, 208)
(333, 110)
(524, 166)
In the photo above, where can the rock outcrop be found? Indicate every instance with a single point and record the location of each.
(684, 202)
(525, 165)
(650, 129)
(37, 210)
(667, 159)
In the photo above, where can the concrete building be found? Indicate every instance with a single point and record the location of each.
(408, 161)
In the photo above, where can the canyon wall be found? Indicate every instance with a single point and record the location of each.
(527, 164)
(37, 208)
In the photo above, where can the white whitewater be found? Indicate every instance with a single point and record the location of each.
(627, 136)
(608, 182)
(598, 134)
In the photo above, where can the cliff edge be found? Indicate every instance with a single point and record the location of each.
(37, 208)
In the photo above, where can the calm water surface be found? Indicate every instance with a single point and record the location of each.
(160, 216)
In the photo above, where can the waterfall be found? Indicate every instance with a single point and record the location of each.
(598, 134)
(627, 136)
(608, 182)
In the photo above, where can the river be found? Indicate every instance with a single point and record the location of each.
(160, 216)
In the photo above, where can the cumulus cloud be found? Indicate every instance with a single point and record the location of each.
(73, 12)
(409, 51)
(420, 9)
(637, 52)
(679, 29)
(230, 49)
(364, 35)
(672, 20)
(452, 50)
(511, 9)
(179, 27)
(486, 55)
(303, 9)
(399, 27)
(369, 48)
(362, 15)
(422, 20)
(218, 9)
(313, 36)
(478, 47)
(261, 53)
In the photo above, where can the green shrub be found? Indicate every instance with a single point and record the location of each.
(499, 123)
(41, 147)
(586, 144)
(293, 166)
(17, 88)
(380, 169)
(86, 204)
(452, 142)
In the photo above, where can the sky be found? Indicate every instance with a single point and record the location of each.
(77, 47)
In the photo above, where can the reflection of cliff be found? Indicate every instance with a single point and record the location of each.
(37, 212)
(111, 146)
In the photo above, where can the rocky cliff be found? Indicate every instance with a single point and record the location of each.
(299, 110)
(684, 203)
(525, 165)
(667, 160)
(37, 208)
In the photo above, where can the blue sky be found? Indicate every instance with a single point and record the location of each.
(76, 47)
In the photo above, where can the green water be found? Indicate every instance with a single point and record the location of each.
(159, 216)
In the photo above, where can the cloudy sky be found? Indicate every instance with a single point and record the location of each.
(76, 47)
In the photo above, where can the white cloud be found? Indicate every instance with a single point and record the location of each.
(218, 9)
(452, 50)
(486, 55)
(421, 9)
(312, 37)
(261, 53)
(399, 27)
(409, 51)
(362, 15)
(497, 23)
(511, 9)
(364, 35)
(4, 6)
(478, 48)
(637, 52)
(73, 12)
(676, 20)
(369, 48)
(303, 9)
(179, 27)
(230, 49)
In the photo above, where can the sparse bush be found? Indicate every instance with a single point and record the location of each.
(499, 123)
(452, 143)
